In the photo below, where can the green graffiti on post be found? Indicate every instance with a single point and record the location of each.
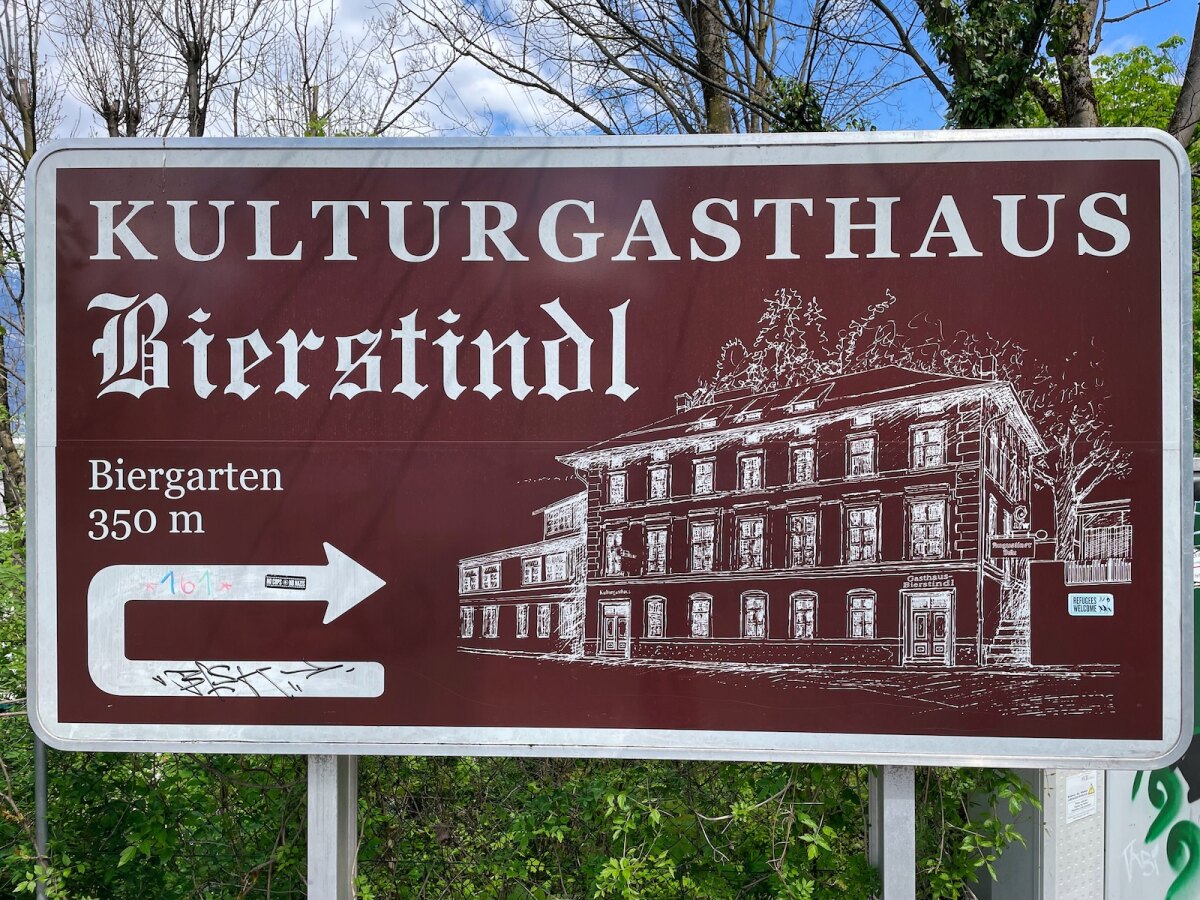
(1166, 790)
(1183, 853)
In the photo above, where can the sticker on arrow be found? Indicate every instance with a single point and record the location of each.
(341, 584)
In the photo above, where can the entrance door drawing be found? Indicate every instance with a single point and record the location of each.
(929, 627)
(614, 629)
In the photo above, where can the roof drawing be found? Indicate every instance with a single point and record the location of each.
(839, 393)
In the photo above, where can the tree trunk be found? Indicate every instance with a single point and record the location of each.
(1074, 66)
(111, 113)
(710, 46)
(1066, 509)
(194, 60)
(1187, 106)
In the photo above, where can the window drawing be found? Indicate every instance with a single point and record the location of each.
(466, 621)
(569, 624)
(804, 465)
(754, 615)
(750, 542)
(561, 518)
(804, 615)
(556, 566)
(656, 551)
(927, 529)
(750, 476)
(470, 579)
(491, 621)
(491, 577)
(656, 617)
(531, 570)
(702, 539)
(616, 487)
(1105, 545)
(862, 534)
(861, 605)
(862, 456)
(802, 539)
(614, 555)
(659, 485)
(523, 620)
(543, 620)
(702, 476)
(928, 446)
(700, 615)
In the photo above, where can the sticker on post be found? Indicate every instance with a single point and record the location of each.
(1090, 604)
(1082, 799)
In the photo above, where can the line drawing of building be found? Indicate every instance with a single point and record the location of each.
(539, 587)
(866, 519)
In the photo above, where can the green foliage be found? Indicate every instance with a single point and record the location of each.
(990, 47)
(799, 105)
(1134, 89)
(12, 618)
(965, 823)
(1138, 87)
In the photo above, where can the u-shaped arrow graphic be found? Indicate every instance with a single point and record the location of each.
(341, 583)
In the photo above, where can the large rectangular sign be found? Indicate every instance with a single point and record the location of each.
(791, 448)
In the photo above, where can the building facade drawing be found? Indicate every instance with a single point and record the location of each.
(847, 521)
(533, 594)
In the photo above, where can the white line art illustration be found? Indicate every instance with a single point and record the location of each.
(862, 500)
(341, 584)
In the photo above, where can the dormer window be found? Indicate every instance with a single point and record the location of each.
(750, 415)
(801, 406)
(703, 424)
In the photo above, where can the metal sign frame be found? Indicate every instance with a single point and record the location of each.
(611, 742)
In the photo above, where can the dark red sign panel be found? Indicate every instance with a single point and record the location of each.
(836, 448)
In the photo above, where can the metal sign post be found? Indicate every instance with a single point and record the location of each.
(41, 813)
(892, 830)
(332, 826)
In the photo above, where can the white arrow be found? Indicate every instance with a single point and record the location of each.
(341, 584)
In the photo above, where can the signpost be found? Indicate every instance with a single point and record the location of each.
(798, 448)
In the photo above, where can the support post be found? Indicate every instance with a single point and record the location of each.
(892, 830)
(41, 827)
(332, 826)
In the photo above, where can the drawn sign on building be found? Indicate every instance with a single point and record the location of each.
(1020, 547)
(655, 447)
